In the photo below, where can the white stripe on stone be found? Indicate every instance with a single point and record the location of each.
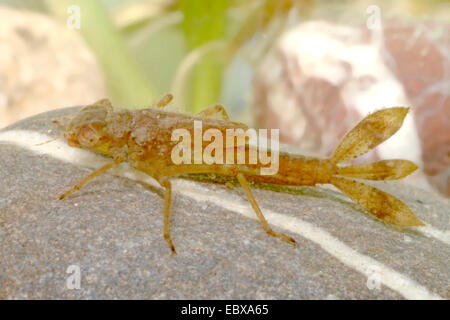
(398, 282)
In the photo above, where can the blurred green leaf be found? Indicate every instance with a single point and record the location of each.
(34, 5)
(127, 83)
(204, 22)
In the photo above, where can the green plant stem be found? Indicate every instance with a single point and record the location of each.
(204, 22)
(127, 84)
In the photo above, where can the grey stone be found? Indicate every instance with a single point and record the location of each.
(112, 229)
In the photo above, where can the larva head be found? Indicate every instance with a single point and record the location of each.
(87, 129)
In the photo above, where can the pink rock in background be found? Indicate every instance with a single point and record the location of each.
(43, 66)
(321, 78)
(421, 61)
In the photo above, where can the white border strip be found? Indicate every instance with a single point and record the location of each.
(348, 256)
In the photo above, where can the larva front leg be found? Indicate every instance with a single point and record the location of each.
(92, 176)
(259, 214)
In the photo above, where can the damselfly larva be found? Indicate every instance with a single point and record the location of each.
(143, 138)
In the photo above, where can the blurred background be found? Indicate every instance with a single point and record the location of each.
(312, 69)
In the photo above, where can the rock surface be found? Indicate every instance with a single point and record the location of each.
(112, 230)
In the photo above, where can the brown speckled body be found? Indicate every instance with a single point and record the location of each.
(144, 136)
(144, 139)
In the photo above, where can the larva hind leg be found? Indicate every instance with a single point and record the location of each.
(216, 111)
(167, 202)
(259, 214)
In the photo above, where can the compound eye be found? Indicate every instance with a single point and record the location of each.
(88, 136)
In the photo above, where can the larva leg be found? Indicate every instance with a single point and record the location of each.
(215, 110)
(258, 212)
(164, 101)
(167, 202)
(104, 103)
(92, 176)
